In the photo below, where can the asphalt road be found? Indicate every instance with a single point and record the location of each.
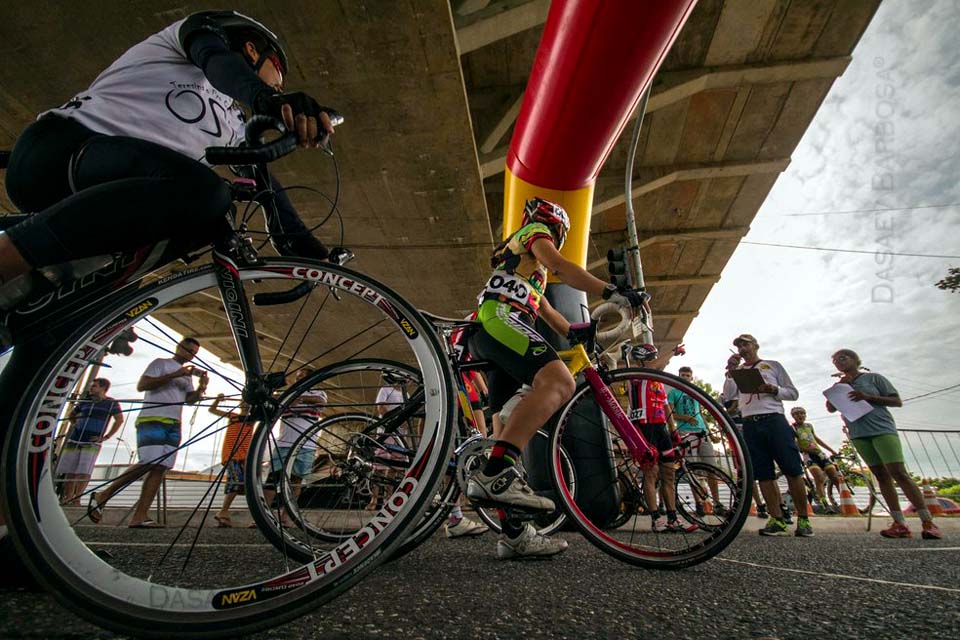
(839, 584)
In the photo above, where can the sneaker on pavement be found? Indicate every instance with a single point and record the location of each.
(465, 527)
(674, 526)
(699, 510)
(804, 530)
(507, 488)
(529, 544)
(897, 530)
(659, 525)
(931, 531)
(786, 516)
(775, 528)
(720, 510)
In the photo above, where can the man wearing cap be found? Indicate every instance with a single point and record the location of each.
(768, 434)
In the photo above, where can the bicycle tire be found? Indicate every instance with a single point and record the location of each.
(116, 598)
(647, 548)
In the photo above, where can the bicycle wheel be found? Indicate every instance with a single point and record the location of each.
(631, 500)
(634, 541)
(357, 458)
(545, 523)
(190, 578)
(704, 494)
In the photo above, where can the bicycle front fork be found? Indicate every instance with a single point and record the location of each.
(640, 450)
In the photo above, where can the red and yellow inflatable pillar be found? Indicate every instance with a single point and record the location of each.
(594, 62)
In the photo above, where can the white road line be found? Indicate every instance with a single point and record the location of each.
(840, 576)
(913, 550)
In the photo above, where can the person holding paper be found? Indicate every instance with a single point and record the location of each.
(768, 435)
(875, 437)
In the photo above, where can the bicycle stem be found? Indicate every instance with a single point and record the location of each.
(640, 450)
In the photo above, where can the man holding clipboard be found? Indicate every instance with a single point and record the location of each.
(761, 386)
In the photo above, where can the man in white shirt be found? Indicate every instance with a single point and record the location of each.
(768, 435)
(168, 383)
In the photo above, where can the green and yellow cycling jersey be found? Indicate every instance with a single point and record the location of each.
(518, 278)
(806, 440)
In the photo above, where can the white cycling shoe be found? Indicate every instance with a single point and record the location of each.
(506, 489)
(529, 544)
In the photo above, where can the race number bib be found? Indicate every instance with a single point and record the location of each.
(507, 287)
(636, 414)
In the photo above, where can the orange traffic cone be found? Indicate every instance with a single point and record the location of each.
(753, 508)
(931, 502)
(847, 506)
(707, 507)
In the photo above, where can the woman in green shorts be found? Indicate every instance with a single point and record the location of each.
(875, 438)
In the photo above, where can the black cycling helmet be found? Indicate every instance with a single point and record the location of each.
(238, 29)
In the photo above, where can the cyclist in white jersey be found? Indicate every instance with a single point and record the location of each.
(133, 144)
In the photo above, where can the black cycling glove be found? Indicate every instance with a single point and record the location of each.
(625, 296)
(300, 103)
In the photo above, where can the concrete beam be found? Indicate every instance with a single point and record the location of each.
(696, 172)
(681, 281)
(466, 7)
(503, 125)
(675, 315)
(680, 85)
(501, 25)
(672, 235)
(494, 162)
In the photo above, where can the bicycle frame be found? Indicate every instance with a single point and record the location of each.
(577, 361)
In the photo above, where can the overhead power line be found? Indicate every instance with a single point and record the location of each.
(877, 210)
(924, 395)
(863, 251)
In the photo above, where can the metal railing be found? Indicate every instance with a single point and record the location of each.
(931, 453)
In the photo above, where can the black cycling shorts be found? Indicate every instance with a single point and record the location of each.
(816, 458)
(658, 436)
(508, 339)
(93, 194)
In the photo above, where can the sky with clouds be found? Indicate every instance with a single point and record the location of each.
(887, 136)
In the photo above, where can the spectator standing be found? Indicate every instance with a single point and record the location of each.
(876, 440)
(88, 430)
(651, 413)
(691, 426)
(233, 455)
(728, 397)
(168, 383)
(820, 466)
(769, 436)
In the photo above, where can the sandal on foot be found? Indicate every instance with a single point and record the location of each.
(146, 524)
(94, 509)
(223, 522)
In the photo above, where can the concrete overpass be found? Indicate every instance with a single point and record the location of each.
(430, 90)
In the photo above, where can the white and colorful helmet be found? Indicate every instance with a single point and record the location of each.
(550, 214)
